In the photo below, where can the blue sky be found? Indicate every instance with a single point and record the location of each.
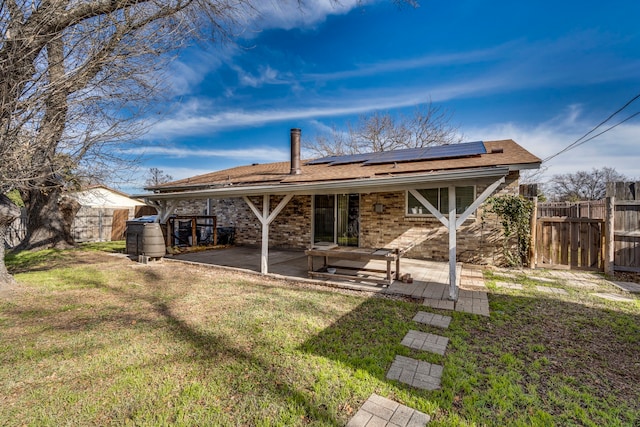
(542, 73)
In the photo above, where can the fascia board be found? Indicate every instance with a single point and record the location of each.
(327, 187)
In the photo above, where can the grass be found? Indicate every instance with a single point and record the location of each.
(94, 339)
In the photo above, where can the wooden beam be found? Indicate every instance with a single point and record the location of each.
(264, 258)
(435, 212)
(279, 208)
(255, 210)
(478, 201)
(609, 236)
(165, 209)
(265, 219)
(533, 228)
(453, 288)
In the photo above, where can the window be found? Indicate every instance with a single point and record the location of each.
(439, 198)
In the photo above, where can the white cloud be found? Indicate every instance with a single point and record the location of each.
(193, 119)
(290, 14)
(617, 148)
(249, 154)
(266, 75)
(427, 61)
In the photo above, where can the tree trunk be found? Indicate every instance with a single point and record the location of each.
(8, 213)
(49, 219)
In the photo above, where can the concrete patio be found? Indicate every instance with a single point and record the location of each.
(430, 278)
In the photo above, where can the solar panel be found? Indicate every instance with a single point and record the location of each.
(430, 153)
(347, 158)
(407, 155)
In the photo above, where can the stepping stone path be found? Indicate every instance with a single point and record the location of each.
(432, 319)
(416, 373)
(442, 304)
(551, 290)
(627, 286)
(614, 297)
(426, 342)
(506, 285)
(379, 411)
(544, 279)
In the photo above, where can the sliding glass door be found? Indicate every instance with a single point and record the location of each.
(337, 219)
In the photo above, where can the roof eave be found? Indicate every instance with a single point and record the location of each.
(346, 186)
(521, 166)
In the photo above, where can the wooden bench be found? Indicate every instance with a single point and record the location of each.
(385, 277)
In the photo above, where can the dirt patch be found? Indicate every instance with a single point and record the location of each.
(597, 348)
(623, 276)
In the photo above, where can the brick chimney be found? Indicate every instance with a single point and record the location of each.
(295, 152)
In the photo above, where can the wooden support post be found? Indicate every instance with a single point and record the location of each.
(194, 232)
(533, 252)
(265, 219)
(453, 288)
(609, 236)
(264, 259)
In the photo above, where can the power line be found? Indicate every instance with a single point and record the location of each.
(580, 141)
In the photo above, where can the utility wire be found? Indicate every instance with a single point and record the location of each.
(609, 128)
(580, 141)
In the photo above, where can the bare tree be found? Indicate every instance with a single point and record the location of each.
(427, 126)
(157, 177)
(8, 213)
(74, 77)
(584, 185)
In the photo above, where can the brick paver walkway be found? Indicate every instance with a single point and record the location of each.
(432, 319)
(416, 373)
(380, 411)
(425, 341)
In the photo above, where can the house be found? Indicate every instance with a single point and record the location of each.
(425, 201)
(103, 213)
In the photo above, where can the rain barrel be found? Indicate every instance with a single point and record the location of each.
(153, 240)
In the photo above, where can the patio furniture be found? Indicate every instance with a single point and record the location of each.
(357, 273)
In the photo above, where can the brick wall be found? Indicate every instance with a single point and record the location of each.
(290, 229)
(479, 238)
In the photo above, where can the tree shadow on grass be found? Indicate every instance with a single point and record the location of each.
(368, 337)
(537, 344)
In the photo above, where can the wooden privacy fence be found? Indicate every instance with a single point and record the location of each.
(592, 209)
(626, 236)
(603, 234)
(570, 242)
(89, 225)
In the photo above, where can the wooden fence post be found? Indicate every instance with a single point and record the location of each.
(609, 237)
(533, 252)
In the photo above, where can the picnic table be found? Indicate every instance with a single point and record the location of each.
(357, 273)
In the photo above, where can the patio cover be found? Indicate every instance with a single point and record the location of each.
(166, 202)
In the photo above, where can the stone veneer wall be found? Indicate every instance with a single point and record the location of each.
(479, 240)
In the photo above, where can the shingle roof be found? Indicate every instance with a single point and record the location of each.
(499, 153)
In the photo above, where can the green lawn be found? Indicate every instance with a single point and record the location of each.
(95, 339)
